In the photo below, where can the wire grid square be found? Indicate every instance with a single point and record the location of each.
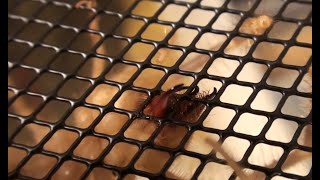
(60, 34)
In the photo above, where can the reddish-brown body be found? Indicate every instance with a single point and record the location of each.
(185, 110)
(158, 107)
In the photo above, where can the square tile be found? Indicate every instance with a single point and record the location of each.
(248, 120)
(223, 67)
(112, 47)
(85, 42)
(298, 166)
(21, 77)
(241, 5)
(282, 77)
(171, 135)
(297, 10)
(175, 79)
(172, 13)
(15, 156)
(121, 154)
(66, 62)
(152, 165)
(141, 129)
(17, 50)
(230, 144)
(111, 123)
(82, 117)
(74, 89)
(252, 72)
(42, 86)
(93, 67)
(129, 27)
(297, 56)
(194, 62)
(305, 84)
(138, 52)
(13, 125)
(266, 100)
(53, 111)
(148, 78)
(91, 147)
(265, 155)
(239, 46)
(201, 142)
(305, 35)
(193, 17)
(121, 72)
(166, 57)
(53, 12)
(282, 30)
(305, 138)
(107, 28)
(25, 105)
(253, 174)
(102, 172)
(39, 57)
(59, 37)
(75, 170)
(216, 171)
(61, 141)
(211, 41)
(38, 166)
(27, 8)
(102, 94)
(297, 106)
(219, 118)
(236, 94)
(14, 25)
(33, 31)
(212, 3)
(183, 37)
(78, 17)
(282, 130)
(226, 22)
(120, 6)
(268, 51)
(269, 7)
(131, 100)
(156, 32)
(179, 164)
(146, 8)
(31, 134)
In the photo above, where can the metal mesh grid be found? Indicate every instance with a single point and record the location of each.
(53, 110)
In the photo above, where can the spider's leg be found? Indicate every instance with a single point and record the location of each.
(213, 94)
(195, 91)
